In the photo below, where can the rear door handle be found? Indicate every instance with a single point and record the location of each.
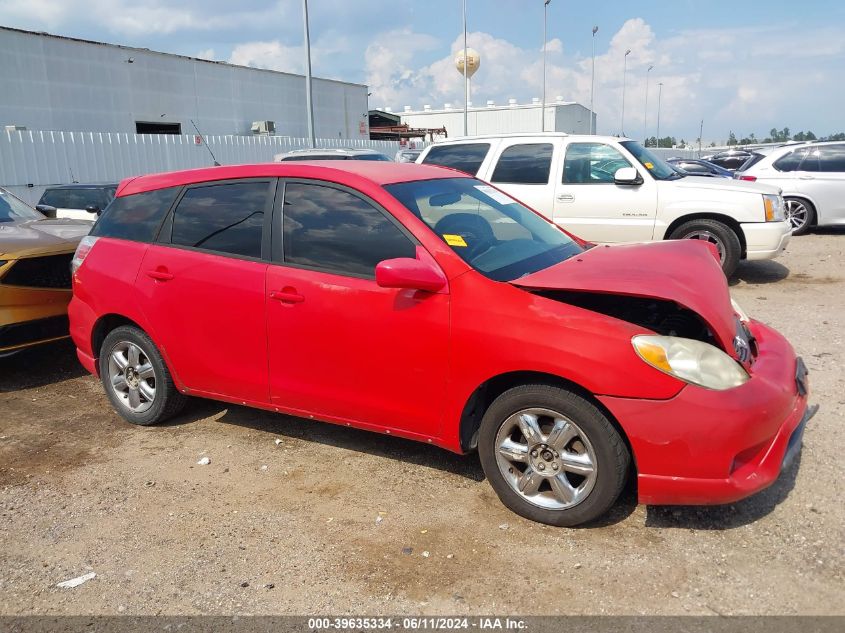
(565, 197)
(807, 177)
(160, 275)
(287, 296)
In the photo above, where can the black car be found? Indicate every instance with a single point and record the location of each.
(699, 167)
(731, 160)
(76, 201)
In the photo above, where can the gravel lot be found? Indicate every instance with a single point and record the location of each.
(293, 527)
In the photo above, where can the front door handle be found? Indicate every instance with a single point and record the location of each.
(565, 197)
(288, 295)
(807, 177)
(160, 275)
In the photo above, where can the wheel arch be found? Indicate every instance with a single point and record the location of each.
(106, 324)
(483, 395)
(724, 219)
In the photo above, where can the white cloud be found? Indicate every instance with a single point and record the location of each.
(273, 55)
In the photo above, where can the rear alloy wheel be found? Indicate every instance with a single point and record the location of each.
(800, 214)
(551, 455)
(136, 379)
(717, 233)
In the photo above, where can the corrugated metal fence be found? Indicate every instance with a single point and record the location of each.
(31, 160)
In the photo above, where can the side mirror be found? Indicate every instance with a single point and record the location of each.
(46, 209)
(422, 273)
(93, 208)
(627, 176)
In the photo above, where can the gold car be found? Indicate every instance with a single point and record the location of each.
(35, 254)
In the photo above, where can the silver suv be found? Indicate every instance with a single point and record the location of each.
(812, 177)
(330, 154)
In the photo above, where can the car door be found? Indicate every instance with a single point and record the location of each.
(591, 205)
(523, 169)
(821, 177)
(202, 288)
(341, 347)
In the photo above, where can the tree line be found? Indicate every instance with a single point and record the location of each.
(782, 136)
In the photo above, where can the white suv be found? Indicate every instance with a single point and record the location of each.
(607, 189)
(812, 177)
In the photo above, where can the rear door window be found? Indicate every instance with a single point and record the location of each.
(334, 230)
(465, 156)
(136, 217)
(224, 218)
(527, 164)
(832, 158)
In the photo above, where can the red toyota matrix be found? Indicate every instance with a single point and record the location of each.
(416, 301)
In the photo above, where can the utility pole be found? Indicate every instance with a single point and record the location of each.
(593, 82)
(624, 74)
(309, 104)
(645, 116)
(466, 75)
(659, 96)
(543, 104)
(700, 134)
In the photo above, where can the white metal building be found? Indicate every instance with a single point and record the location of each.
(60, 83)
(560, 116)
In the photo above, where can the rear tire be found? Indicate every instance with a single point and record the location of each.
(717, 233)
(551, 455)
(136, 379)
(800, 213)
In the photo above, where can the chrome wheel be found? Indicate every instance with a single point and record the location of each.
(546, 458)
(707, 236)
(132, 376)
(797, 213)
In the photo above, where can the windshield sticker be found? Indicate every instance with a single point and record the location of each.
(455, 240)
(497, 195)
(649, 165)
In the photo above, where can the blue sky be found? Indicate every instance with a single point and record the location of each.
(745, 66)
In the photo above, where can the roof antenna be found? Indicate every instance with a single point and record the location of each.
(202, 138)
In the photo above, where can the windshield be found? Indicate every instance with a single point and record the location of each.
(371, 157)
(657, 167)
(491, 231)
(12, 209)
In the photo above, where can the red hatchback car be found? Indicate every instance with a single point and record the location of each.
(417, 301)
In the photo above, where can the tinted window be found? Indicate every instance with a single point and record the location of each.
(224, 218)
(693, 168)
(136, 217)
(466, 156)
(314, 157)
(75, 198)
(524, 164)
(334, 230)
(591, 163)
(790, 161)
(381, 157)
(832, 158)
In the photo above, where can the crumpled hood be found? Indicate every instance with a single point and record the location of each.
(683, 271)
(19, 239)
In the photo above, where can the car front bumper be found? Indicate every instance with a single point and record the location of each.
(713, 447)
(766, 240)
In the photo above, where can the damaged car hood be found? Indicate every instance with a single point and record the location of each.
(682, 271)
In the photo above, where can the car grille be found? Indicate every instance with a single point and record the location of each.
(52, 271)
(32, 331)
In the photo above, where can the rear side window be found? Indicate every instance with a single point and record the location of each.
(136, 217)
(527, 164)
(832, 158)
(466, 156)
(333, 230)
(226, 218)
(75, 198)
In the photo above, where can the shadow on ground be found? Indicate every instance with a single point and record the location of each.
(726, 517)
(40, 366)
(764, 271)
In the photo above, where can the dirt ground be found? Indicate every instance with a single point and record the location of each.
(284, 528)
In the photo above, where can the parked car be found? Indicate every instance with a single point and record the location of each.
(331, 154)
(420, 302)
(698, 167)
(812, 177)
(407, 155)
(35, 254)
(609, 190)
(76, 201)
(731, 159)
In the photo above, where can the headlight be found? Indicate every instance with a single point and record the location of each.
(743, 316)
(691, 361)
(773, 206)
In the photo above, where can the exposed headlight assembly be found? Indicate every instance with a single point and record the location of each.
(691, 361)
(773, 206)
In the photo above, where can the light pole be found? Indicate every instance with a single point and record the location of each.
(593, 81)
(466, 75)
(308, 102)
(543, 105)
(645, 117)
(624, 74)
(659, 95)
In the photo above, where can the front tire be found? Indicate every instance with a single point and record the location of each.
(800, 213)
(717, 233)
(136, 380)
(551, 455)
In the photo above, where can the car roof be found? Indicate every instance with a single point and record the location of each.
(343, 172)
(577, 137)
(333, 150)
